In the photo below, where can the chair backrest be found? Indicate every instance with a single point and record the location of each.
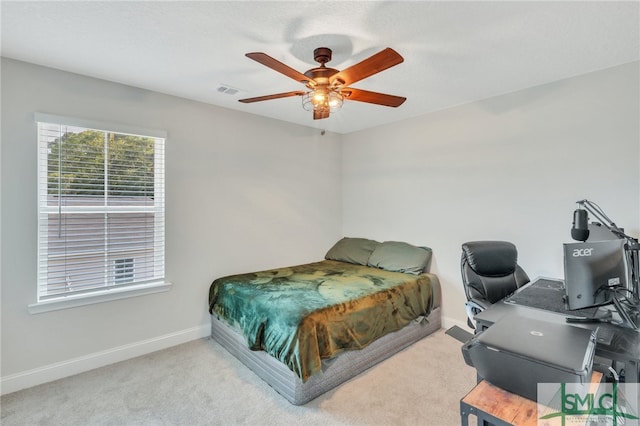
(490, 270)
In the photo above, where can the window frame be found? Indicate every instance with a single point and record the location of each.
(107, 293)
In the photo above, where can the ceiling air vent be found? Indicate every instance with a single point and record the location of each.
(223, 88)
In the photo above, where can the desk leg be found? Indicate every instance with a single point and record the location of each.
(635, 370)
(465, 410)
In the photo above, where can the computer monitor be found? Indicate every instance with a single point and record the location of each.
(591, 267)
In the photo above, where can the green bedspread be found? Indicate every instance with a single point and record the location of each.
(303, 314)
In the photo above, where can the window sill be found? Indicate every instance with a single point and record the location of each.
(73, 301)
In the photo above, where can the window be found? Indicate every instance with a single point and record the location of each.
(100, 208)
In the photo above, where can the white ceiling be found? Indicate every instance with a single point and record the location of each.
(455, 52)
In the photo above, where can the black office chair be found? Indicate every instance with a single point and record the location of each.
(490, 272)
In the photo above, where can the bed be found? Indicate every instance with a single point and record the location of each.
(305, 329)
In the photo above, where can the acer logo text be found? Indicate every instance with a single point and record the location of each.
(582, 252)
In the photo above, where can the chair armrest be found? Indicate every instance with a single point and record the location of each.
(474, 307)
(479, 304)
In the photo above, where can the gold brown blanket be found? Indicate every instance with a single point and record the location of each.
(303, 314)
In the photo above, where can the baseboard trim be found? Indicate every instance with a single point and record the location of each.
(448, 322)
(59, 370)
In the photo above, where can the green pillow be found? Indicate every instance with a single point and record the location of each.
(352, 250)
(397, 256)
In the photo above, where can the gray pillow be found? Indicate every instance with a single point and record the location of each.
(352, 250)
(397, 256)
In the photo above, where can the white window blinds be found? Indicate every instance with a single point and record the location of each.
(100, 207)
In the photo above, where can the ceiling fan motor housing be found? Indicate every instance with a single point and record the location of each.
(320, 75)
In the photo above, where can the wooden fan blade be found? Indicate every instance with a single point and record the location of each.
(269, 97)
(360, 95)
(276, 65)
(372, 65)
(319, 115)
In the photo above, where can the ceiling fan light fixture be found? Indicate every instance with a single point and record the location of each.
(322, 99)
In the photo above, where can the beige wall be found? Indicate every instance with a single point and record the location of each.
(510, 167)
(242, 193)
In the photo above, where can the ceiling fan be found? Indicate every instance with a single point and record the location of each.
(328, 87)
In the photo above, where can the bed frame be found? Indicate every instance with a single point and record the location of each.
(335, 371)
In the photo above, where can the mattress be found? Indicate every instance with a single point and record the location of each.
(304, 314)
(334, 371)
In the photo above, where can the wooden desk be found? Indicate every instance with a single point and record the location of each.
(498, 407)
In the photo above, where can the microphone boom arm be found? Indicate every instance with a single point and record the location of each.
(597, 212)
(632, 245)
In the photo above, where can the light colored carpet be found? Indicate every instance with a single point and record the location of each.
(200, 383)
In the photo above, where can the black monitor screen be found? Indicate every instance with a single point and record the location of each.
(591, 267)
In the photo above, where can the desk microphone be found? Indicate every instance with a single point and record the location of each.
(580, 228)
